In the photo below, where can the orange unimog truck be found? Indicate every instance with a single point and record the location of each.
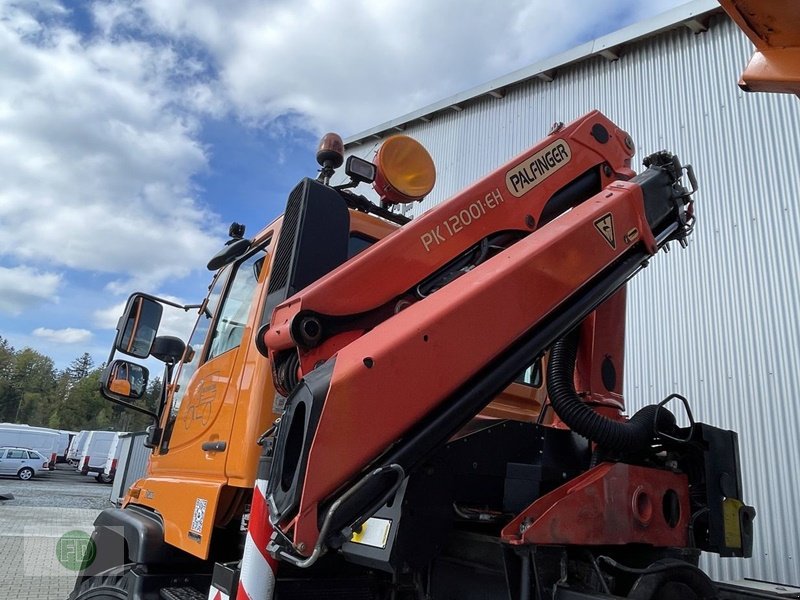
(363, 408)
(220, 403)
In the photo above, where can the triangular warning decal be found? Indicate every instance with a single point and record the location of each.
(605, 225)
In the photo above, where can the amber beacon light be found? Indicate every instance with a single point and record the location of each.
(406, 172)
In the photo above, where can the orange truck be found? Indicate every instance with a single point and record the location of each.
(372, 407)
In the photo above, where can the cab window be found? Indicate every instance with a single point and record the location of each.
(236, 306)
(194, 349)
(231, 317)
(357, 243)
(532, 375)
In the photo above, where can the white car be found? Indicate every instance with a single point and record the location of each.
(22, 462)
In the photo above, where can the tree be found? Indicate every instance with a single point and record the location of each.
(33, 376)
(84, 407)
(80, 367)
(9, 395)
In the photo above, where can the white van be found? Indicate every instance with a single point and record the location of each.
(65, 439)
(44, 441)
(94, 455)
(75, 447)
(110, 468)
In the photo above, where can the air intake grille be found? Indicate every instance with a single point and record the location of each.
(283, 252)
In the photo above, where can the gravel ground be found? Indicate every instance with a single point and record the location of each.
(34, 523)
(62, 488)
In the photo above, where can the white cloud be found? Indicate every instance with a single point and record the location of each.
(99, 133)
(69, 335)
(97, 151)
(23, 288)
(353, 64)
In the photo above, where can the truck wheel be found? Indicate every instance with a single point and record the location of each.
(102, 588)
(103, 478)
(670, 578)
(25, 473)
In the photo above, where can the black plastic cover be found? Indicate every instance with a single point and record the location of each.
(293, 440)
(313, 241)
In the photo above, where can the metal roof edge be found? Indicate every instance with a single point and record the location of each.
(689, 14)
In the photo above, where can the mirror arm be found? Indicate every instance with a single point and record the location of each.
(185, 307)
(149, 413)
(168, 370)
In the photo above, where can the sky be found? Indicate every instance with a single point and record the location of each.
(133, 132)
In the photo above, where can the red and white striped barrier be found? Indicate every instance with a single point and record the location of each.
(257, 577)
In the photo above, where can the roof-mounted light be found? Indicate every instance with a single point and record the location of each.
(360, 170)
(406, 172)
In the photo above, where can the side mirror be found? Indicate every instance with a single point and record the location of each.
(138, 326)
(125, 380)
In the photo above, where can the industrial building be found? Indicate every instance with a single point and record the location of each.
(717, 322)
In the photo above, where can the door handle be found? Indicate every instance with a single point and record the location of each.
(214, 446)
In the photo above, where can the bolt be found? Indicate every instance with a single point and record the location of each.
(525, 525)
(301, 546)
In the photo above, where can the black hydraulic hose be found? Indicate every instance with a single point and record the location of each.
(634, 435)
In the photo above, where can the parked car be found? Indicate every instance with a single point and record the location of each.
(43, 440)
(22, 462)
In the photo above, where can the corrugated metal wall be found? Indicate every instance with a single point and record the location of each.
(717, 322)
(132, 464)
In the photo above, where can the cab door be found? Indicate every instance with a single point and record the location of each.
(198, 427)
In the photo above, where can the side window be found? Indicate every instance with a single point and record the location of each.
(532, 375)
(194, 349)
(236, 306)
(16, 454)
(227, 332)
(33, 455)
(357, 243)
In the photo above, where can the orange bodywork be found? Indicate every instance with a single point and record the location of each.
(774, 27)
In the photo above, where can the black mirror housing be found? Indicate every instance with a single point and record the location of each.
(125, 380)
(137, 328)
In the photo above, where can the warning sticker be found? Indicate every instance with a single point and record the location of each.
(199, 515)
(605, 225)
(375, 532)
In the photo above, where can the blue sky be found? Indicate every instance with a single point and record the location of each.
(132, 132)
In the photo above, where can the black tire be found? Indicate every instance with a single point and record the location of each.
(103, 478)
(673, 578)
(109, 587)
(25, 473)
